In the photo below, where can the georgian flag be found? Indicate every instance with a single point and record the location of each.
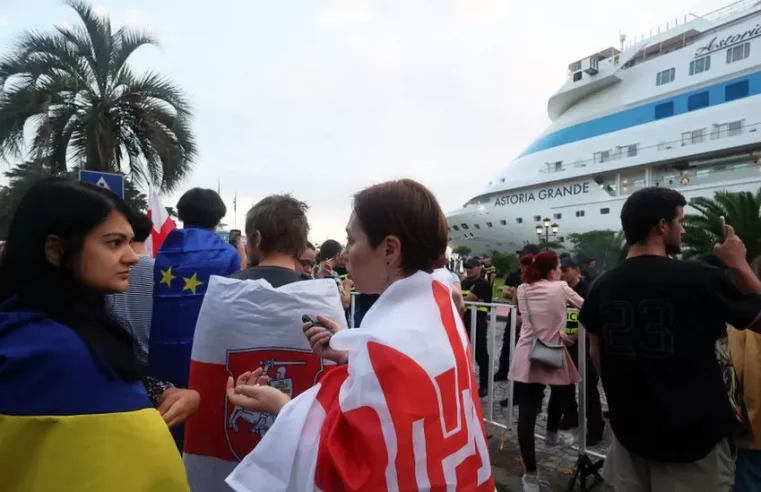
(402, 415)
(162, 223)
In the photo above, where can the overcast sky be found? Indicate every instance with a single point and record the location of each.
(321, 98)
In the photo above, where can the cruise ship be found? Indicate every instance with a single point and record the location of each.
(679, 109)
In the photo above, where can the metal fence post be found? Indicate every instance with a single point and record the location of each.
(492, 351)
(582, 358)
(352, 309)
(511, 353)
(473, 343)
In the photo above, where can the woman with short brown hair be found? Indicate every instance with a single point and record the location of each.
(399, 412)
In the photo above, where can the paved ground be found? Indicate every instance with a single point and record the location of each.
(556, 464)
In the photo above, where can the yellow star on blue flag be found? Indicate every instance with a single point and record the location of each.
(191, 283)
(167, 277)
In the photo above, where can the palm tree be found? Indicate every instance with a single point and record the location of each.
(74, 91)
(741, 210)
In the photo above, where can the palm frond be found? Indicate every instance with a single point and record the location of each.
(126, 42)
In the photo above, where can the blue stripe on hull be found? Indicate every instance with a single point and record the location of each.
(638, 115)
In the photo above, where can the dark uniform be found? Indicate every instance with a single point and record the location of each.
(595, 422)
(481, 288)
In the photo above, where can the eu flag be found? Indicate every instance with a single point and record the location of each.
(181, 273)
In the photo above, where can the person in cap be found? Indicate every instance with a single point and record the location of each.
(477, 289)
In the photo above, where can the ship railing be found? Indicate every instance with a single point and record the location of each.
(717, 131)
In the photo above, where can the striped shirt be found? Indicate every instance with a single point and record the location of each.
(135, 307)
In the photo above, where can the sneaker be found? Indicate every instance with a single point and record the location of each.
(557, 439)
(530, 483)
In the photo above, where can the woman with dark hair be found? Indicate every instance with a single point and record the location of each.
(542, 301)
(400, 412)
(74, 412)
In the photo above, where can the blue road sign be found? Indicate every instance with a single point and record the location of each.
(109, 181)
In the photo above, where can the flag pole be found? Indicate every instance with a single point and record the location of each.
(235, 208)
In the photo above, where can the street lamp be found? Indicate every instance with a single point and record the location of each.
(545, 229)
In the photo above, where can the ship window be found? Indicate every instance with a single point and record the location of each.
(700, 65)
(559, 166)
(739, 52)
(558, 216)
(465, 227)
(504, 222)
(501, 180)
(579, 213)
(631, 150)
(577, 76)
(455, 228)
(489, 224)
(476, 226)
(735, 128)
(665, 77)
(664, 110)
(518, 220)
(604, 211)
(697, 101)
(603, 156)
(737, 90)
(537, 218)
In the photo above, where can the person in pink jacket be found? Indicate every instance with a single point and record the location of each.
(542, 302)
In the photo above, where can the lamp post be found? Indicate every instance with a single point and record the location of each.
(545, 229)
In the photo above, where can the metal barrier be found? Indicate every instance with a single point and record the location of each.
(585, 467)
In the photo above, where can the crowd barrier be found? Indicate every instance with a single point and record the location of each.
(585, 466)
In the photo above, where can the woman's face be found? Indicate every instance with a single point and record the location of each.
(107, 255)
(367, 266)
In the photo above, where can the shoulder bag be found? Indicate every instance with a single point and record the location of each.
(548, 354)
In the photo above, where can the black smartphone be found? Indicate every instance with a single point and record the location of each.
(234, 237)
(308, 319)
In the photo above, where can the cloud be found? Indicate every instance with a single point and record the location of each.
(135, 18)
(3, 22)
(346, 12)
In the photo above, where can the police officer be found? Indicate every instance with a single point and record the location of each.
(475, 288)
(595, 423)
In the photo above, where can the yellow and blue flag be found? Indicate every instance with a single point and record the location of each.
(184, 264)
(69, 423)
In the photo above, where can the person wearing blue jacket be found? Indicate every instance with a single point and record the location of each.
(187, 259)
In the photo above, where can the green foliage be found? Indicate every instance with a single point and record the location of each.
(504, 262)
(604, 246)
(68, 98)
(550, 245)
(741, 210)
(462, 251)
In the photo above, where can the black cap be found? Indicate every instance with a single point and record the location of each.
(530, 249)
(567, 263)
(472, 263)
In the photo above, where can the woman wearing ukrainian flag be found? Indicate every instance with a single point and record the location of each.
(74, 414)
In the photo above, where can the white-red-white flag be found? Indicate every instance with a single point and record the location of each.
(245, 324)
(162, 223)
(403, 414)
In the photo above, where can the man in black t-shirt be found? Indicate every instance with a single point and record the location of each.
(653, 323)
(477, 289)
